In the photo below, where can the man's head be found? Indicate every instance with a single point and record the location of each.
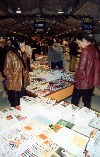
(83, 40)
(51, 42)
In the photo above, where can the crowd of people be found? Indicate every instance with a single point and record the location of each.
(15, 64)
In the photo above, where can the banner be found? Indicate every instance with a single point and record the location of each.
(88, 25)
(39, 24)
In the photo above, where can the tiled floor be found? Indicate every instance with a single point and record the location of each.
(95, 99)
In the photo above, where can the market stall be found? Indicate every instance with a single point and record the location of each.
(54, 84)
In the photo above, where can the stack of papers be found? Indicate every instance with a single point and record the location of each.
(95, 123)
(84, 116)
(71, 141)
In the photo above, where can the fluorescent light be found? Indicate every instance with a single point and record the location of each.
(18, 11)
(60, 11)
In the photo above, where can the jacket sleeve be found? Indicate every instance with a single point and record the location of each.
(8, 70)
(97, 70)
(12, 71)
(81, 72)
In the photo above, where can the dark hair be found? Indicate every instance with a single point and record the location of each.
(50, 42)
(21, 41)
(86, 36)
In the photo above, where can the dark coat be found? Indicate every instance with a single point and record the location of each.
(3, 53)
(73, 48)
(88, 72)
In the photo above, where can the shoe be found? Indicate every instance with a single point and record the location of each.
(89, 107)
(18, 108)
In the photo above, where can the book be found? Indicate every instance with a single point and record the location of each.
(58, 152)
(64, 123)
(95, 123)
(55, 127)
(70, 140)
(43, 119)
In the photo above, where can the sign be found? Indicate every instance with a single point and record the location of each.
(88, 25)
(39, 24)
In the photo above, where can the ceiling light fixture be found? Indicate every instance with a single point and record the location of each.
(60, 11)
(18, 11)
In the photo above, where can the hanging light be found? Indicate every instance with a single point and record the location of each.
(60, 11)
(18, 11)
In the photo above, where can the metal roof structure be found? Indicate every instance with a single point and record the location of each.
(70, 21)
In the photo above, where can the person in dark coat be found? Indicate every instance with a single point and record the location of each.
(55, 55)
(3, 53)
(87, 76)
(73, 52)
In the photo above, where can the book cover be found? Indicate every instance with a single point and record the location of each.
(43, 119)
(55, 127)
(64, 123)
(58, 152)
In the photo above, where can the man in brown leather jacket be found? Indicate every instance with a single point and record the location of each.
(87, 75)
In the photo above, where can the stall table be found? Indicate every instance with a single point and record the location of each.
(56, 95)
(61, 94)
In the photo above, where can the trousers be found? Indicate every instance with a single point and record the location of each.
(14, 96)
(86, 95)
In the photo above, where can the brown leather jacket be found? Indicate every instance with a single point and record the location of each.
(88, 72)
(13, 71)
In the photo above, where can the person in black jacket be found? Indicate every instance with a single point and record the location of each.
(73, 52)
(3, 52)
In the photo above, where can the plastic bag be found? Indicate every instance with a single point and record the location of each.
(4, 82)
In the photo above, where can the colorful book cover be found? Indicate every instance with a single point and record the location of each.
(31, 152)
(19, 117)
(55, 127)
(59, 152)
(43, 119)
(64, 123)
